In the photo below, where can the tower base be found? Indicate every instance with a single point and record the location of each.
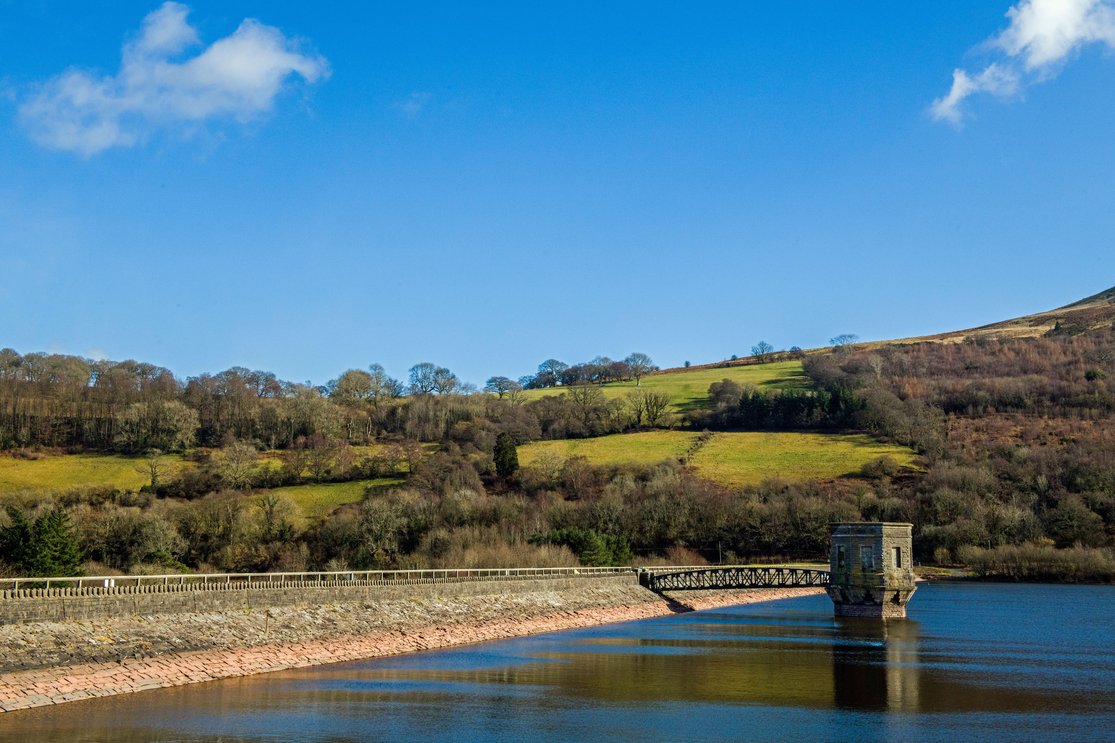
(885, 604)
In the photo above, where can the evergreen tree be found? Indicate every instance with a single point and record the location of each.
(16, 539)
(506, 456)
(46, 547)
(56, 551)
(592, 548)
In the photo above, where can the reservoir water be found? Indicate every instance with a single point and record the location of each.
(973, 662)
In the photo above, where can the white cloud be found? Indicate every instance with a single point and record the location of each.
(235, 78)
(994, 79)
(1042, 34)
(413, 104)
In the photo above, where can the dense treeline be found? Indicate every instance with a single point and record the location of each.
(455, 510)
(561, 512)
(1064, 376)
(838, 401)
(600, 370)
(68, 402)
(1041, 562)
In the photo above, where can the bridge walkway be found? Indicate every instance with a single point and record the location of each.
(732, 576)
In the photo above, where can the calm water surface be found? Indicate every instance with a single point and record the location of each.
(974, 662)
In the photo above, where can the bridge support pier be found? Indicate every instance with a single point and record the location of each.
(871, 570)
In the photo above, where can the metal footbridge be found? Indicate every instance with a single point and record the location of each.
(732, 577)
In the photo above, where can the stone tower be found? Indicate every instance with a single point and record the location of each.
(871, 569)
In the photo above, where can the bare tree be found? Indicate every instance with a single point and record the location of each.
(639, 364)
(236, 465)
(762, 351)
(550, 464)
(275, 512)
(655, 406)
(590, 404)
(354, 388)
(877, 364)
(635, 405)
(649, 406)
(154, 467)
(428, 379)
(549, 373)
(502, 386)
(422, 378)
(446, 382)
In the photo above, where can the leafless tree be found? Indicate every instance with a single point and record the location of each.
(639, 365)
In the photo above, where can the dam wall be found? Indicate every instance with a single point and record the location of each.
(70, 643)
(25, 601)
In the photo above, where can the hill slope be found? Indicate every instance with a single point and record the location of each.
(1096, 311)
(1091, 313)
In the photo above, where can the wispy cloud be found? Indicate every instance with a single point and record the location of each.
(995, 79)
(1041, 36)
(158, 87)
(413, 104)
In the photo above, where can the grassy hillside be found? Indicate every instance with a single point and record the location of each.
(688, 388)
(65, 472)
(317, 501)
(739, 459)
(636, 448)
(734, 459)
(56, 474)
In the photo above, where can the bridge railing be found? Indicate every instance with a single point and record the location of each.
(674, 577)
(112, 584)
(734, 577)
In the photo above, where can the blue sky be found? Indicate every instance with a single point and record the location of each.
(488, 186)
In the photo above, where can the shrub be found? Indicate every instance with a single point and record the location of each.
(1041, 562)
(591, 547)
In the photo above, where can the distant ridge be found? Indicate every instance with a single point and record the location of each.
(1096, 311)
(1090, 313)
(1107, 297)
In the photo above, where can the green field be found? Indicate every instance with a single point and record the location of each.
(688, 390)
(315, 502)
(65, 472)
(650, 447)
(734, 459)
(739, 459)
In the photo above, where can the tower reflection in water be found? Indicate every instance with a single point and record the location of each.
(875, 665)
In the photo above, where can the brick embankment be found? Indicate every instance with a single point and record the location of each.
(50, 663)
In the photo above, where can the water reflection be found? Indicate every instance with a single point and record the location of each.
(875, 665)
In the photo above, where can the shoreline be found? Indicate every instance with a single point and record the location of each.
(429, 628)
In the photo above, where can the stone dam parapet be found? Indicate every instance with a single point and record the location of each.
(79, 599)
